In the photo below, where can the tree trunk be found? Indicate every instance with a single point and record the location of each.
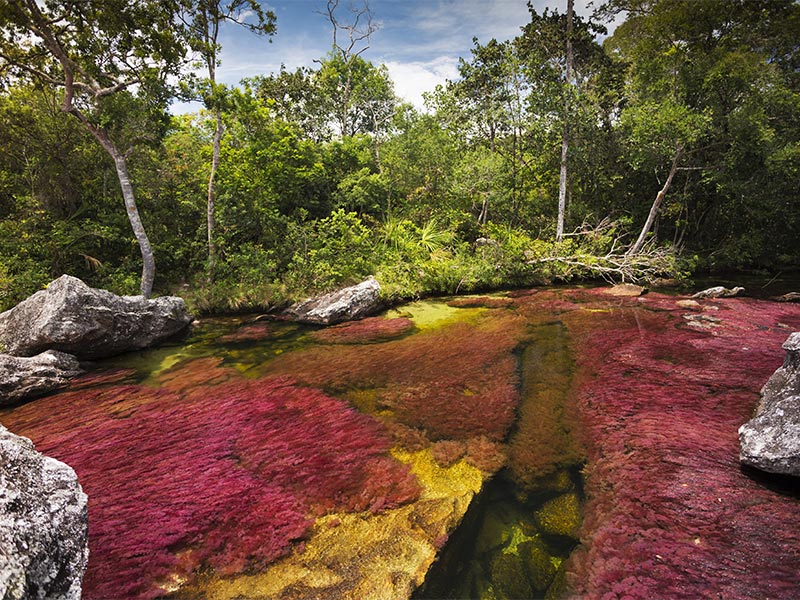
(212, 249)
(562, 179)
(148, 262)
(651, 217)
(121, 165)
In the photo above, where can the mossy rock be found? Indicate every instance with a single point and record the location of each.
(541, 569)
(558, 588)
(510, 577)
(560, 516)
(494, 533)
(559, 482)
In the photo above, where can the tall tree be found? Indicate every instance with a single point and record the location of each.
(204, 19)
(562, 180)
(112, 59)
(351, 38)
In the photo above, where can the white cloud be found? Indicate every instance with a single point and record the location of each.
(411, 79)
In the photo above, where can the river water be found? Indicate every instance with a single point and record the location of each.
(210, 459)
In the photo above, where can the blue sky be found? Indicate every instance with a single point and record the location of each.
(420, 41)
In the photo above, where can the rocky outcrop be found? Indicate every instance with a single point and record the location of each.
(43, 524)
(346, 304)
(719, 292)
(770, 441)
(28, 377)
(72, 317)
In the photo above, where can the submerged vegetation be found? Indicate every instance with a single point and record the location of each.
(681, 128)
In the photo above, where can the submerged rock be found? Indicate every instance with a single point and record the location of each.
(770, 441)
(72, 317)
(22, 378)
(561, 515)
(43, 524)
(626, 289)
(719, 292)
(790, 297)
(346, 304)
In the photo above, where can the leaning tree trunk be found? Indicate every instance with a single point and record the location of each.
(121, 164)
(651, 217)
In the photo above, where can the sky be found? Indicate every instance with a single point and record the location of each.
(419, 41)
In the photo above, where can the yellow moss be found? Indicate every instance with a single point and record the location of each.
(364, 556)
(441, 482)
(561, 515)
(428, 315)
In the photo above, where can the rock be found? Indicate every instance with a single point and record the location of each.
(510, 577)
(346, 304)
(689, 304)
(790, 297)
(560, 516)
(27, 377)
(719, 292)
(44, 524)
(72, 317)
(625, 289)
(541, 570)
(702, 321)
(770, 441)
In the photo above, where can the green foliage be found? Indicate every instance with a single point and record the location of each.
(325, 179)
(329, 252)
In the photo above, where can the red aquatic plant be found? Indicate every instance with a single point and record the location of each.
(456, 381)
(481, 302)
(224, 477)
(251, 332)
(448, 452)
(669, 512)
(372, 329)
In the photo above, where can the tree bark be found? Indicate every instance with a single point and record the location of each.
(212, 248)
(562, 179)
(148, 261)
(651, 217)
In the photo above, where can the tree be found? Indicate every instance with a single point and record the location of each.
(562, 181)
(350, 40)
(711, 101)
(112, 58)
(204, 19)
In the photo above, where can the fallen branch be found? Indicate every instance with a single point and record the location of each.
(642, 267)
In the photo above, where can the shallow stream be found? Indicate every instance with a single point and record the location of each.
(209, 460)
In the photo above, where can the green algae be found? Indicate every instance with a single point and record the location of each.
(500, 551)
(208, 339)
(428, 314)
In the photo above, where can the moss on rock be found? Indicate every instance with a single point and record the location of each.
(560, 516)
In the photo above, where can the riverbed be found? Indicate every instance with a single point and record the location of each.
(540, 443)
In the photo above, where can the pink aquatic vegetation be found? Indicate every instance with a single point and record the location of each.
(223, 477)
(372, 329)
(457, 381)
(669, 512)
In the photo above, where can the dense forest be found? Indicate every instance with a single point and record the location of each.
(670, 146)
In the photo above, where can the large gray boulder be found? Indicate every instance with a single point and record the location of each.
(89, 323)
(350, 303)
(44, 524)
(22, 378)
(770, 441)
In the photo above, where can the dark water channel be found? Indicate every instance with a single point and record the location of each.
(518, 533)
